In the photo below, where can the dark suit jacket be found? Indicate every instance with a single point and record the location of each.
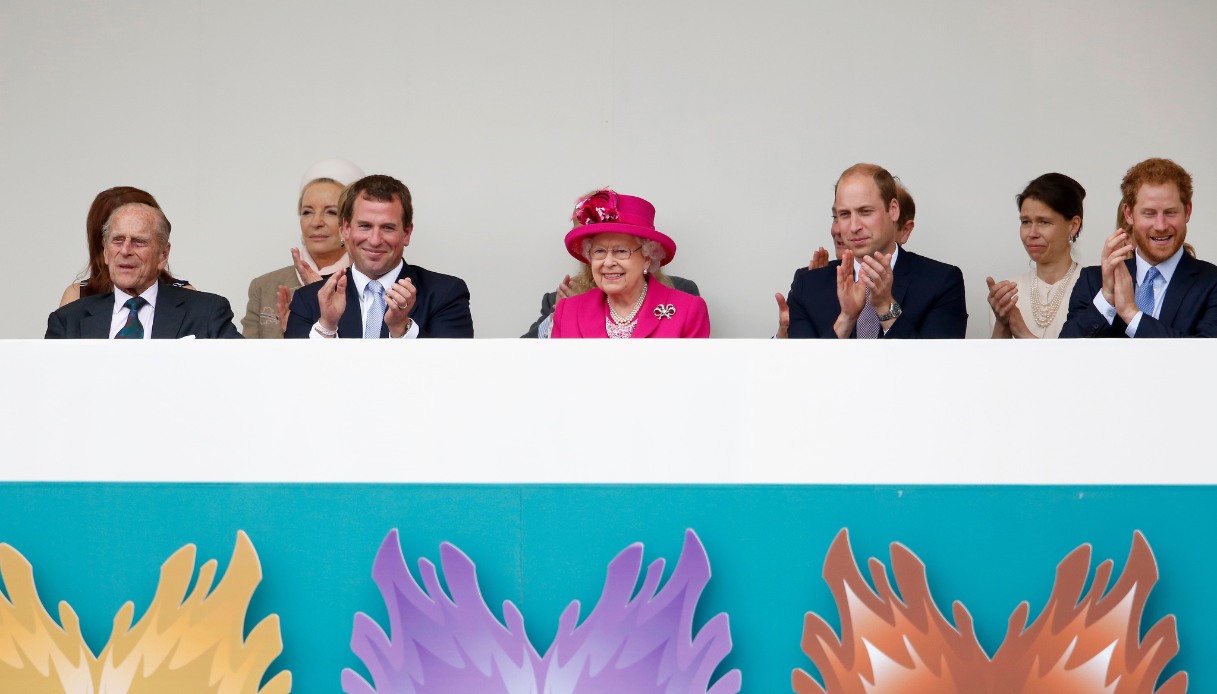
(930, 294)
(1189, 308)
(179, 312)
(551, 299)
(442, 309)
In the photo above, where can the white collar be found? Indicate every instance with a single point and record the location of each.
(149, 294)
(858, 264)
(361, 280)
(1166, 267)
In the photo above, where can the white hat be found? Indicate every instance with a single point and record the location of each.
(339, 170)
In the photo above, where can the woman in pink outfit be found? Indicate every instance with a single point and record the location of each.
(615, 234)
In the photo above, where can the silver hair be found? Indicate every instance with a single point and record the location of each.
(653, 251)
(162, 222)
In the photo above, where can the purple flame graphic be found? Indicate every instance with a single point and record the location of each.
(640, 644)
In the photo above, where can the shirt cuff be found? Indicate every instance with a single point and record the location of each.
(1105, 308)
(1131, 330)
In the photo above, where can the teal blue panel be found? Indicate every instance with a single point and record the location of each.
(540, 546)
(99, 545)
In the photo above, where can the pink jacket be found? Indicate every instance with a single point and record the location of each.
(665, 313)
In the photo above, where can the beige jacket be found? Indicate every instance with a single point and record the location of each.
(261, 313)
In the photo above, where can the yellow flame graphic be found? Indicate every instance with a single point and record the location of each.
(183, 643)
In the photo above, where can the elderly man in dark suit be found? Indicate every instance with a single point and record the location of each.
(877, 289)
(380, 295)
(1146, 285)
(136, 239)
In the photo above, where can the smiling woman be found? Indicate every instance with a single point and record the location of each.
(616, 235)
(321, 250)
(1034, 305)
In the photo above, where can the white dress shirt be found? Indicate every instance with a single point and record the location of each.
(146, 312)
(365, 300)
(1166, 270)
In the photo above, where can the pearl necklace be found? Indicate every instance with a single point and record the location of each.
(637, 306)
(1044, 315)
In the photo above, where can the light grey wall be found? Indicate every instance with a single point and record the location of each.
(733, 118)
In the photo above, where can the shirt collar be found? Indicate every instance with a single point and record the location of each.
(149, 294)
(858, 264)
(361, 280)
(1166, 267)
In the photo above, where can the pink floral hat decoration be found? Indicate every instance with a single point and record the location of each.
(608, 212)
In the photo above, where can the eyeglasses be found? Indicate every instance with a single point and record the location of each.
(618, 253)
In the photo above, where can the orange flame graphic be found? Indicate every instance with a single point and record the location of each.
(1078, 645)
(184, 643)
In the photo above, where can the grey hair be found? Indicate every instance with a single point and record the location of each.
(162, 222)
(653, 251)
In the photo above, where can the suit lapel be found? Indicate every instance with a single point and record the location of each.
(169, 314)
(351, 323)
(98, 316)
(902, 274)
(1181, 281)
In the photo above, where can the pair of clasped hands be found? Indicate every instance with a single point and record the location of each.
(1119, 289)
(875, 274)
(399, 299)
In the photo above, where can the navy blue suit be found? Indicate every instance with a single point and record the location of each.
(442, 308)
(179, 313)
(1189, 308)
(930, 294)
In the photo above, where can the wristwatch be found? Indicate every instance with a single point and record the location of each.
(893, 312)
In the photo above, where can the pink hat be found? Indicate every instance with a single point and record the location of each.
(606, 212)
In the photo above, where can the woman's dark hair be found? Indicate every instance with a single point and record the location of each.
(98, 281)
(1058, 191)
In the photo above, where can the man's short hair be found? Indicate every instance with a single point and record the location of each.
(882, 177)
(380, 188)
(162, 222)
(1156, 171)
(908, 209)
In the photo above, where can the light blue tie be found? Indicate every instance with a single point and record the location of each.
(376, 312)
(1145, 293)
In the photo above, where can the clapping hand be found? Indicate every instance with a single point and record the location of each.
(564, 289)
(876, 274)
(851, 295)
(1118, 286)
(283, 303)
(399, 302)
(783, 317)
(819, 259)
(332, 299)
(307, 274)
(1002, 297)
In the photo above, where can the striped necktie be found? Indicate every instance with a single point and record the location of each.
(133, 330)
